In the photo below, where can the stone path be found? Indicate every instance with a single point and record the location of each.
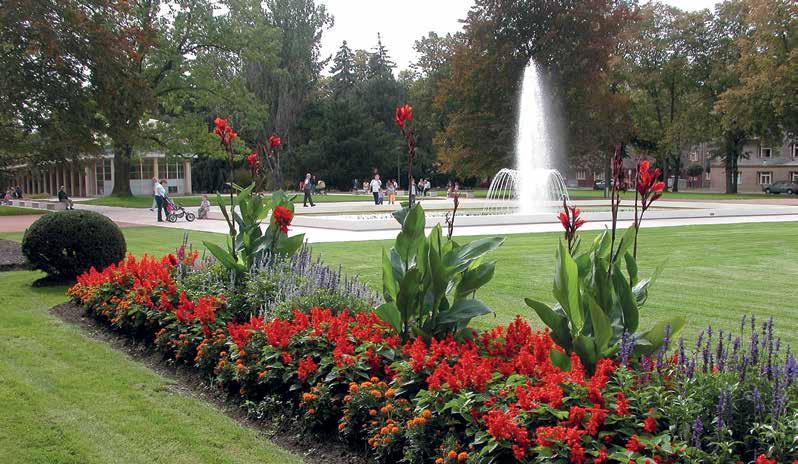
(699, 213)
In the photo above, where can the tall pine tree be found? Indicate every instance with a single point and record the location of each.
(343, 72)
(380, 64)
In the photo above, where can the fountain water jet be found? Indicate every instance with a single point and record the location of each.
(535, 184)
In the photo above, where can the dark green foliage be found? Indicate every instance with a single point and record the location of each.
(68, 243)
(429, 283)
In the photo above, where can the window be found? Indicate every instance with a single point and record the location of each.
(794, 176)
(707, 175)
(764, 177)
(135, 170)
(795, 150)
(146, 168)
(693, 156)
(581, 174)
(161, 168)
(598, 176)
(172, 188)
(765, 152)
(170, 170)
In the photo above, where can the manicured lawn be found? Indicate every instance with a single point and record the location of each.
(17, 211)
(711, 275)
(69, 399)
(146, 202)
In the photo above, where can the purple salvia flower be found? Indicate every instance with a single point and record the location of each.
(626, 347)
(698, 432)
(756, 397)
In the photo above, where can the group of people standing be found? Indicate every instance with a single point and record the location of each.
(12, 193)
(380, 192)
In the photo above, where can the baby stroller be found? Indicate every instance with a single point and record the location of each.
(175, 211)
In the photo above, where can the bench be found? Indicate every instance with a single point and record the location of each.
(49, 205)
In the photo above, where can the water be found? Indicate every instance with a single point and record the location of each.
(534, 182)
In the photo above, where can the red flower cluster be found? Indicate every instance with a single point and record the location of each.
(240, 333)
(275, 141)
(570, 220)
(204, 310)
(649, 188)
(282, 217)
(306, 367)
(403, 115)
(503, 426)
(224, 131)
(253, 161)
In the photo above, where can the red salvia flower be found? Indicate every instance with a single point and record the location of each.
(306, 367)
(282, 217)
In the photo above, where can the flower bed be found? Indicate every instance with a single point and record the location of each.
(494, 397)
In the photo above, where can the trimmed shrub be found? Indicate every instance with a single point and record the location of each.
(68, 243)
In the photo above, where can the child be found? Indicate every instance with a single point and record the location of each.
(205, 206)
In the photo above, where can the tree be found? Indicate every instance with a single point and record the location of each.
(380, 65)
(286, 87)
(765, 100)
(499, 40)
(343, 78)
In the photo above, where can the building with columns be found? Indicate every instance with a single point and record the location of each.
(94, 177)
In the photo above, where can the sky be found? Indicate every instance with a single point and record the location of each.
(403, 22)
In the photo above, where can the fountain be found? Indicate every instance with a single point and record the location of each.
(534, 183)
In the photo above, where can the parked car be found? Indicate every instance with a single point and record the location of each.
(600, 185)
(782, 186)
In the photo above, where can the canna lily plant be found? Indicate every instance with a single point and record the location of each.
(429, 282)
(247, 244)
(599, 294)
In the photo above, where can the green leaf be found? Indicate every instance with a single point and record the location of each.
(653, 338)
(412, 235)
(555, 321)
(602, 331)
(461, 257)
(389, 285)
(631, 268)
(560, 359)
(225, 257)
(627, 239)
(586, 350)
(463, 311)
(475, 278)
(566, 287)
(389, 313)
(407, 298)
(289, 245)
(626, 299)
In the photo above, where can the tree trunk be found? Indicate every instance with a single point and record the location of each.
(676, 170)
(123, 154)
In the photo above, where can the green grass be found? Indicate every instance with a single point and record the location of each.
(146, 202)
(17, 211)
(711, 274)
(69, 399)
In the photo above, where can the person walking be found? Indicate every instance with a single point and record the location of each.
(159, 191)
(307, 188)
(391, 187)
(375, 185)
(19, 192)
(64, 198)
(154, 187)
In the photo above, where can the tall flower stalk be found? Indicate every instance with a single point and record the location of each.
(570, 220)
(647, 190)
(403, 117)
(226, 135)
(269, 154)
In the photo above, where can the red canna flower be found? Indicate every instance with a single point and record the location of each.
(762, 459)
(252, 160)
(403, 115)
(275, 141)
(282, 217)
(223, 130)
(648, 187)
(571, 222)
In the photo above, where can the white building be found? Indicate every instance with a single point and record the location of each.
(94, 177)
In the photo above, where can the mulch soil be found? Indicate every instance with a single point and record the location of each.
(11, 257)
(282, 431)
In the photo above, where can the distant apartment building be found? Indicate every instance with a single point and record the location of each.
(760, 165)
(90, 177)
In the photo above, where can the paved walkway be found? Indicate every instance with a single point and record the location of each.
(781, 210)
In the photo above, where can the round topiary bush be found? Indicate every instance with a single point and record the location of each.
(68, 243)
